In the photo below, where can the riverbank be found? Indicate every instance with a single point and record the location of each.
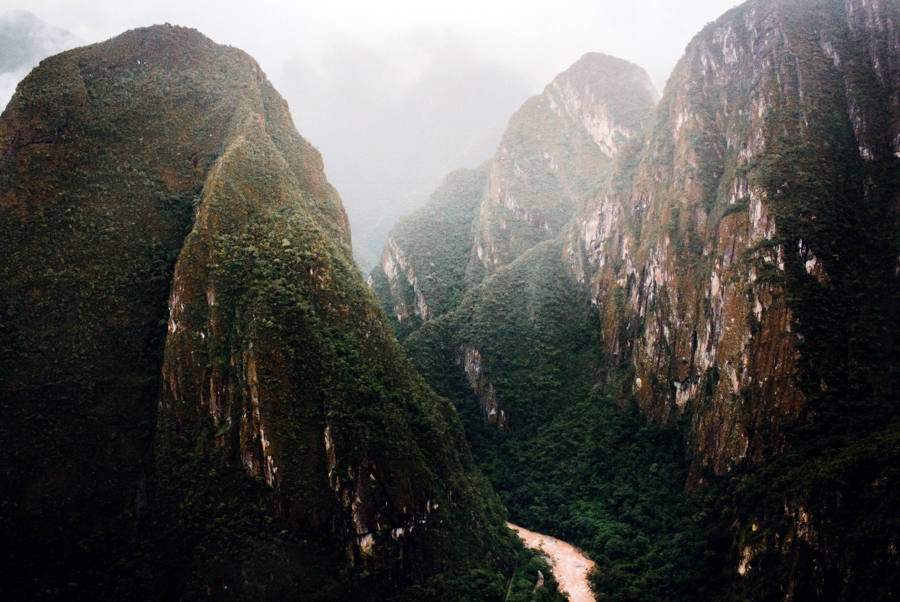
(570, 566)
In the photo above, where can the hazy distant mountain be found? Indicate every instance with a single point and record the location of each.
(24, 41)
(556, 151)
(392, 123)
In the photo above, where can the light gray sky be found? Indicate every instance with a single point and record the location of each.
(397, 93)
(540, 38)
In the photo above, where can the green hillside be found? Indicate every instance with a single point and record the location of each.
(202, 397)
(694, 380)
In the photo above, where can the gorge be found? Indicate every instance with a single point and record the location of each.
(671, 332)
(662, 329)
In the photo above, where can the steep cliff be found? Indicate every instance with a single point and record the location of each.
(556, 152)
(743, 263)
(755, 240)
(200, 394)
(749, 279)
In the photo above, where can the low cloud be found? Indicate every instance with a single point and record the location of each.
(25, 41)
(392, 121)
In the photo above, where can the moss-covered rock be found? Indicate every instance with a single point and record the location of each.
(261, 435)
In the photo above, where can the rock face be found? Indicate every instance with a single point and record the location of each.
(741, 254)
(261, 434)
(750, 245)
(555, 148)
(555, 153)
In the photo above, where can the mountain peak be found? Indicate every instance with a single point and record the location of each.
(181, 314)
(610, 97)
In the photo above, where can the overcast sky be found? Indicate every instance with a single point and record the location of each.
(396, 93)
(538, 37)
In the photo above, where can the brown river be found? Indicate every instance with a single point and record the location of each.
(570, 567)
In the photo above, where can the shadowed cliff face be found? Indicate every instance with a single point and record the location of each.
(261, 433)
(739, 270)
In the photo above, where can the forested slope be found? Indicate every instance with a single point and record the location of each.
(201, 396)
(695, 378)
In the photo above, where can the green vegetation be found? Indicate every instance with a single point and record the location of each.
(783, 488)
(571, 462)
(437, 255)
(274, 442)
(482, 586)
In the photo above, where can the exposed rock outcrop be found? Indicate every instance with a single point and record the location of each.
(750, 184)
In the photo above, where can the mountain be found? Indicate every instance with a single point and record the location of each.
(688, 367)
(201, 396)
(486, 254)
(556, 150)
(25, 39)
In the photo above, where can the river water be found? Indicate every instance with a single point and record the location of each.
(570, 567)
